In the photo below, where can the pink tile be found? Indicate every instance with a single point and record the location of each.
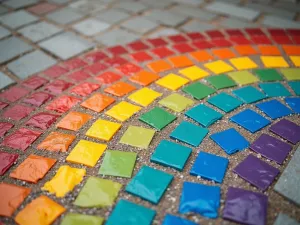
(85, 89)
(14, 93)
(42, 8)
(38, 98)
(35, 82)
(55, 71)
(42, 120)
(57, 86)
(17, 112)
(95, 56)
(4, 127)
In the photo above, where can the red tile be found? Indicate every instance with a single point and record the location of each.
(21, 139)
(3, 105)
(73, 64)
(128, 69)
(34, 82)
(116, 61)
(202, 44)
(157, 42)
(277, 32)
(117, 50)
(196, 36)
(4, 127)
(138, 46)
(296, 39)
(85, 89)
(177, 38)
(215, 34)
(240, 40)
(282, 40)
(95, 68)
(42, 8)
(294, 32)
(183, 48)
(17, 112)
(234, 32)
(38, 98)
(261, 40)
(6, 161)
(141, 56)
(108, 77)
(254, 32)
(163, 52)
(14, 93)
(78, 76)
(63, 103)
(95, 57)
(57, 86)
(55, 71)
(221, 43)
(42, 120)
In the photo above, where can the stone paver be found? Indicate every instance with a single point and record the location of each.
(166, 17)
(64, 16)
(90, 27)
(131, 6)
(193, 12)
(59, 1)
(87, 6)
(3, 10)
(158, 3)
(139, 25)
(285, 219)
(273, 21)
(4, 32)
(271, 10)
(19, 4)
(194, 26)
(17, 19)
(112, 16)
(5, 80)
(116, 37)
(236, 23)
(164, 32)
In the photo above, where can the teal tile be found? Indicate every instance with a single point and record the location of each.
(170, 154)
(198, 90)
(149, 184)
(126, 213)
(274, 89)
(295, 85)
(249, 94)
(225, 102)
(189, 133)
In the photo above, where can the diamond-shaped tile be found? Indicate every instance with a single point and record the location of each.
(157, 118)
(56, 141)
(90, 27)
(274, 109)
(98, 102)
(139, 25)
(144, 96)
(123, 111)
(64, 16)
(274, 89)
(73, 121)
(225, 102)
(249, 94)
(198, 90)
(103, 129)
(176, 102)
(137, 136)
(17, 19)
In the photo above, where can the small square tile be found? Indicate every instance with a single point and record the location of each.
(4, 32)
(118, 163)
(98, 102)
(274, 109)
(225, 102)
(274, 61)
(230, 141)
(73, 121)
(144, 96)
(189, 133)
(113, 16)
(137, 136)
(7, 160)
(5, 80)
(274, 89)
(291, 73)
(62, 104)
(116, 36)
(159, 66)
(90, 27)
(250, 120)
(294, 103)
(120, 89)
(245, 50)
(87, 7)
(218, 67)
(57, 86)
(98, 193)
(123, 111)
(42, 8)
(149, 184)
(64, 16)
(163, 52)
(204, 115)
(295, 60)
(56, 141)
(170, 220)
(285, 219)
(287, 130)
(193, 73)
(176, 102)
(141, 56)
(85, 89)
(249, 94)
(243, 63)
(103, 130)
(144, 78)
(17, 112)
(34, 82)
(14, 93)
(166, 17)
(17, 19)
(198, 90)
(157, 118)
(172, 81)
(131, 6)
(180, 61)
(269, 50)
(15, 4)
(268, 75)
(243, 77)
(128, 69)
(221, 81)
(295, 85)
(201, 56)
(42, 120)
(55, 71)
(223, 53)
(139, 24)
(208, 195)
(75, 218)
(4, 127)
(171, 154)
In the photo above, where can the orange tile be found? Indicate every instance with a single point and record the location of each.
(159, 66)
(33, 168)
(98, 102)
(245, 50)
(201, 56)
(268, 50)
(291, 49)
(120, 89)
(223, 53)
(73, 121)
(144, 77)
(11, 197)
(56, 141)
(180, 61)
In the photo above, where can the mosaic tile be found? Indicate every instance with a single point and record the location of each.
(172, 81)
(98, 193)
(86, 153)
(294, 104)
(57, 141)
(243, 63)
(34, 82)
(287, 130)
(127, 212)
(33, 168)
(159, 66)
(4, 127)
(144, 78)
(78, 76)
(221, 81)
(274, 61)
(17, 19)
(225, 102)
(207, 198)
(78, 219)
(12, 197)
(201, 56)
(245, 50)
(243, 77)
(171, 154)
(137, 136)
(55, 71)
(268, 75)
(118, 163)
(64, 16)
(243, 200)
(17, 112)
(103, 129)
(157, 118)
(295, 60)
(42, 120)
(218, 67)
(120, 89)
(291, 73)
(274, 89)
(230, 141)
(73, 121)
(180, 61)
(284, 219)
(144, 96)
(123, 111)
(41, 210)
(269, 50)
(128, 69)
(62, 104)
(14, 93)
(171, 220)
(108, 77)
(176, 102)
(38, 98)
(198, 90)
(162, 52)
(3, 105)
(249, 94)
(90, 27)
(7, 160)
(210, 166)
(274, 109)
(149, 184)
(73, 64)
(223, 53)
(98, 102)
(193, 73)
(295, 86)
(57, 87)
(85, 89)
(141, 57)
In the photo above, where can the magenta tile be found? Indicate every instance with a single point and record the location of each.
(178, 38)
(287, 130)
(157, 42)
(38, 98)
(196, 36)
(141, 56)
(221, 43)
(95, 68)
(254, 32)
(183, 48)
(57, 87)
(117, 50)
(55, 71)
(4, 127)
(21, 139)
(163, 52)
(85, 89)
(261, 40)
(234, 32)
(6, 161)
(138, 46)
(116, 61)
(202, 44)
(17, 112)
(3, 105)
(77, 77)
(282, 40)
(62, 104)
(42, 8)
(42, 120)
(73, 64)
(215, 34)
(108, 77)
(95, 57)
(239, 40)
(129, 69)
(35, 82)
(14, 93)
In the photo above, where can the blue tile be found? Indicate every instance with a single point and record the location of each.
(274, 109)
(249, 94)
(274, 89)
(203, 115)
(175, 220)
(170, 154)
(210, 166)
(225, 102)
(189, 133)
(294, 103)
(295, 85)
(250, 120)
(230, 141)
(201, 199)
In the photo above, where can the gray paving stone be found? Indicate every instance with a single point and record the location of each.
(131, 6)
(163, 32)
(289, 181)
(39, 31)
(12, 47)
(158, 3)
(16, 4)
(66, 45)
(235, 23)
(90, 27)
(112, 16)
(283, 219)
(59, 1)
(117, 37)
(273, 21)
(288, 6)
(166, 17)
(17, 19)
(64, 16)
(190, 2)
(193, 12)
(31, 63)
(5, 80)
(194, 26)
(271, 10)
(4, 32)
(139, 25)
(233, 10)
(87, 6)
(3, 10)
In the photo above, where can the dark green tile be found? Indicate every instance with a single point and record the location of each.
(221, 81)
(198, 90)
(268, 74)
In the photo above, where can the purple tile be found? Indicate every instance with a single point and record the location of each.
(256, 172)
(245, 207)
(271, 148)
(287, 130)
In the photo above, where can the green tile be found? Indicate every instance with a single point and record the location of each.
(291, 73)
(274, 89)
(157, 118)
(221, 81)
(80, 219)
(225, 102)
(118, 163)
(176, 102)
(198, 90)
(249, 94)
(268, 74)
(295, 85)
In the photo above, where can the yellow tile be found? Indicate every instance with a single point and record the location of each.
(243, 63)
(86, 153)
(123, 111)
(65, 179)
(103, 129)
(243, 77)
(194, 73)
(295, 60)
(144, 96)
(274, 61)
(172, 81)
(218, 67)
